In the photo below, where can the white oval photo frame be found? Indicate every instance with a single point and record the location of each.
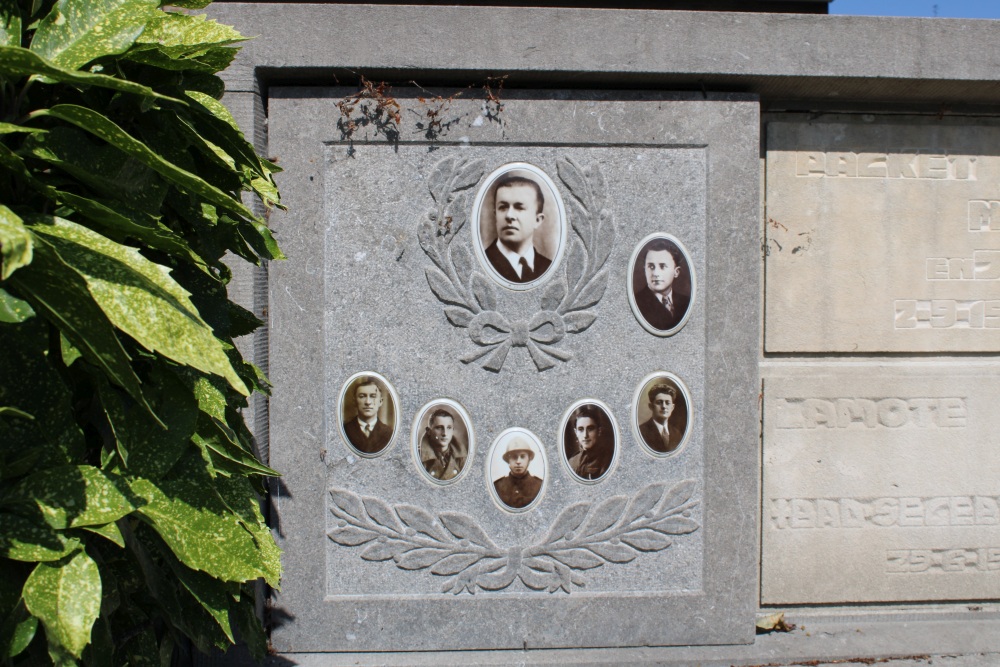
(417, 433)
(636, 311)
(393, 396)
(561, 223)
(640, 396)
(615, 443)
(500, 442)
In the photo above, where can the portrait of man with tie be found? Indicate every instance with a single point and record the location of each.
(521, 225)
(661, 284)
(368, 414)
(662, 413)
(590, 441)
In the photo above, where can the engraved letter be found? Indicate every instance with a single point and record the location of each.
(892, 412)
(827, 513)
(961, 511)
(852, 513)
(942, 313)
(902, 165)
(803, 513)
(961, 268)
(923, 410)
(935, 166)
(937, 512)
(872, 165)
(896, 560)
(789, 413)
(819, 412)
(953, 560)
(987, 264)
(937, 268)
(984, 215)
(952, 413)
(780, 513)
(992, 318)
(841, 164)
(993, 559)
(886, 512)
(906, 314)
(857, 409)
(963, 167)
(920, 560)
(987, 511)
(810, 163)
(912, 512)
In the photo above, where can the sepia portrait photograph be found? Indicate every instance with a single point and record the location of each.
(369, 413)
(589, 437)
(443, 441)
(662, 414)
(522, 225)
(516, 469)
(661, 284)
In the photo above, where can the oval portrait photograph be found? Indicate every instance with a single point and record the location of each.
(522, 225)
(443, 441)
(516, 469)
(368, 413)
(589, 440)
(661, 287)
(662, 413)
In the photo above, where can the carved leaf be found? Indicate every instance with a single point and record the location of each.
(553, 295)
(615, 553)
(349, 503)
(418, 559)
(567, 521)
(679, 494)
(484, 292)
(464, 527)
(579, 321)
(573, 177)
(597, 184)
(461, 259)
(442, 287)
(580, 559)
(575, 264)
(382, 514)
(605, 240)
(676, 525)
(438, 181)
(644, 501)
(421, 521)
(593, 292)
(385, 550)
(604, 515)
(427, 235)
(468, 174)
(455, 563)
(538, 574)
(460, 317)
(459, 210)
(581, 223)
(496, 579)
(646, 540)
(351, 536)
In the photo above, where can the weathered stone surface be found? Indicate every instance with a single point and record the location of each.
(382, 278)
(883, 235)
(880, 483)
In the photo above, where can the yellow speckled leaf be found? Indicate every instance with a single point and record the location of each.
(78, 31)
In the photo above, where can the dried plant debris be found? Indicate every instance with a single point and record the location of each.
(773, 623)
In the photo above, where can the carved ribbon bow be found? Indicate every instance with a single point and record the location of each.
(497, 335)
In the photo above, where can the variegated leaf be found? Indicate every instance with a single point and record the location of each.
(76, 32)
(66, 596)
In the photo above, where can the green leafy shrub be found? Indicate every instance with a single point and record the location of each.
(129, 487)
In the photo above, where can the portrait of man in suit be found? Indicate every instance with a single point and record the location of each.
(662, 295)
(520, 225)
(664, 430)
(365, 432)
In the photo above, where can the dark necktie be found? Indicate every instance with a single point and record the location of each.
(524, 268)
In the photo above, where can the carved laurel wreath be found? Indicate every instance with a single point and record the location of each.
(469, 297)
(583, 536)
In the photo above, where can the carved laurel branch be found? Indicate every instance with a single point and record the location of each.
(583, 536)
(469, 297)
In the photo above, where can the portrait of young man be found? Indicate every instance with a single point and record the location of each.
(362, 404)
(520, 226)
(519, 487)
(661, 285)
(589, 442)
(443, 451)
(664, 430)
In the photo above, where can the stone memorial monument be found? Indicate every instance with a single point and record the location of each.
(614, 330)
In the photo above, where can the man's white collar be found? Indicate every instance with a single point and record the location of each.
(515, 258)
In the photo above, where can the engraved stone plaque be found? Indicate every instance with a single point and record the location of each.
(880, 483)
(396, 268)
(882, 235)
